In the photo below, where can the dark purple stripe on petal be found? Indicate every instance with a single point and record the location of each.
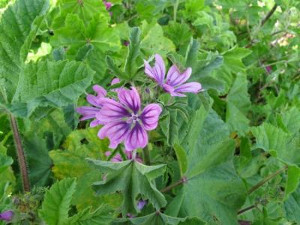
(150, 116)
(137, 138)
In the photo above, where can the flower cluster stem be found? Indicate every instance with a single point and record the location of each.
(266, 179)
(20, 153)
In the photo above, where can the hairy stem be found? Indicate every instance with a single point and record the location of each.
(270, 13)
(20, 153)
(266, 179)
(177, 183)
(246, 209)
(146, 156)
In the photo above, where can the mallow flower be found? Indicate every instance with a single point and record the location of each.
(125, 121)
(89, 112)
(6, 215)
(174, 83)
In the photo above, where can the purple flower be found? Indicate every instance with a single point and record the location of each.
(141, 204)
(89, 112)
(269, 69)
(108, 5)
(7, 215)
(125, 122)
(175, 81)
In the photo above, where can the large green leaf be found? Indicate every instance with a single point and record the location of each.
(57, 202)
(211, 174)
(92, 40)
(71, 162)
(68, 82)
(132, 179)
(238, 104)
(282, 145)
(18, 27)
(292, 207)
(156, 218)
(85, 9)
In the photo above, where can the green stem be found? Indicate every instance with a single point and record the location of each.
(265, 180)
(270, 13)
(20, 153)
(177, 183)
(175, 9)
(146, 156)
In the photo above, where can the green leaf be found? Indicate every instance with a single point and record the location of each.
(153, 40)
(114, 68)
(169, 127)
(238, 104)
(39, 162)
(181, 158)
(68, 82)
(57, 202)
(292, 207)
(132, 179)
(292, 180)
(85, 9)
(211, 173)
(70, 162)
(97, 37)
(19, 25)
(278, 143)
(156, 218)
(133, 51)
(100, 216)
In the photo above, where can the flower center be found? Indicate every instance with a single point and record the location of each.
(133, 119)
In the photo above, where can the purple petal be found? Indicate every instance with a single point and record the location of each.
(95, 123)
(115, 81)
(117, 158)
(115, 131)
(137, 138)
(193, 87)
(130, 98)
(101, 92)
(158, 71)
(7, 215)
(150, 116)
(87, 112)
(175, 78)
(93, 100)
(111, 111)
(141, 204)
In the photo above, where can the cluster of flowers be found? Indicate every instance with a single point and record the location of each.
(124, 120)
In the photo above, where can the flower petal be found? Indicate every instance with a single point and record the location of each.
(137, 138)
(158, 71)
(116, 132)
(130, 98)
(101, 92)
(93, 100)
(111, 111)
(175, 78)
(115, 81)
(87, 112)
(193, 87)
(150, 116)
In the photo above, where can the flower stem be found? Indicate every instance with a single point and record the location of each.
(175, 9)
(270, 13)
(20, 153)
(146, 156)
(265, 180)
(246, 209)
(177, 183)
